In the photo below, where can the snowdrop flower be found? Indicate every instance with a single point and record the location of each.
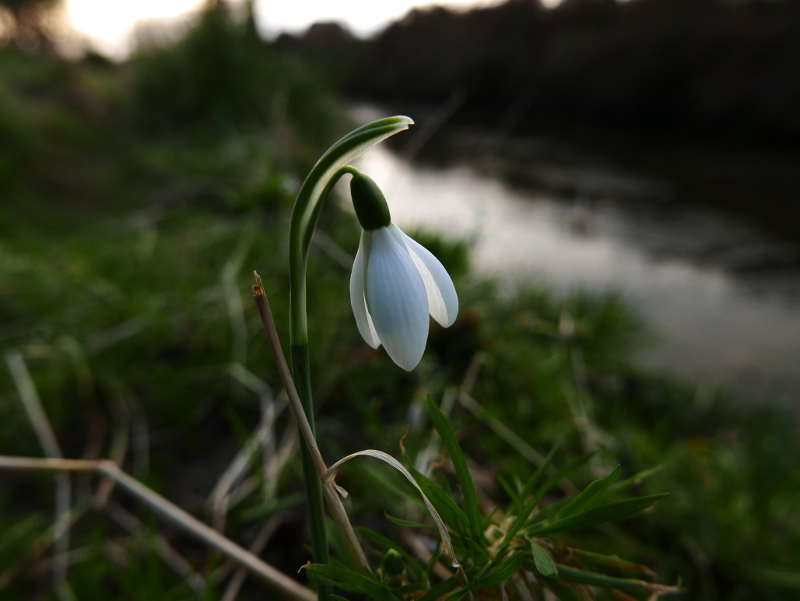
(396, 282)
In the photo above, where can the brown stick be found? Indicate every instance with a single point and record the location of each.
(328, 488)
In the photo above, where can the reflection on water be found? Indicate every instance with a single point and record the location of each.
(712, 324)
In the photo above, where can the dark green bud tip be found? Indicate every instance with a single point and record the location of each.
(369, 203)
(392, 563)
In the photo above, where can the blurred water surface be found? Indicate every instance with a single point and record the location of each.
(725, 317)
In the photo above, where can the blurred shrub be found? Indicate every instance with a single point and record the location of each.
(222, 75)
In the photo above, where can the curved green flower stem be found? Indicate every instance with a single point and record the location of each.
(308, 206)
(309, 203)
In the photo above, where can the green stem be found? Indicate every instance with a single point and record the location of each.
(305, 215)
(301, 374)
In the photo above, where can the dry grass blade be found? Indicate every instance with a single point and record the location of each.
(261, 540)
(331, 248)
(425, 458)
(170, 556)
(276, 580)
(140, 436)
(47, 439)
(118, 449)
(447, 544)
(231, 294)
(219, 499)
(332, 498)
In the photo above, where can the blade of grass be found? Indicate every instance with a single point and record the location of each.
(624, 584)
(408, 523)
(599, 515)
(471, 505)
(533, 481)
(381, 540)
(589, 496)
(49, 443)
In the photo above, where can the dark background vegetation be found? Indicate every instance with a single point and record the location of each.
(710, 67)
(137, 198)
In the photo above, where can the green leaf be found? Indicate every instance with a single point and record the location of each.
(565, 472)
(549, 512)
(589, 496)
(512, 494)
(637, 478)
(445, 505)
(477, 553)
(443, 588)
(517, 525)
(451, 513)
(337, 597)
(409, 523)
(381, 540)
(601, 580)
(604, 513)
(526, 512)
(613, 561)
(471, 505)
(544, 563)
(407, 589)
(505, 570)
(531, 484)
(488, 519)
(348, 580)
(457, 595)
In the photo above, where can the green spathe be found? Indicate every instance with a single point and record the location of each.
(369, 203)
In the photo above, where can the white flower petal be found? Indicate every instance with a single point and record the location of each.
(396, 299)
(442, 297)
(358, 300)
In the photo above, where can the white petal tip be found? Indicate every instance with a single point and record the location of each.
(396, 299)
(406, 365)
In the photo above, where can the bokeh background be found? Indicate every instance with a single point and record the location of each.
(613, 184)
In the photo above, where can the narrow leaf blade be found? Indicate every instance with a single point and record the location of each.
(505, 570)
(587, 498)
(604, 513)
(348, 580)
(409, 523)
(471, 505)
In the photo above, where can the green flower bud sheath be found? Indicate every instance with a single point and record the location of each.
(369, 202)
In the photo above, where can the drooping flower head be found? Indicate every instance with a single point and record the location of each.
(396, 282)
